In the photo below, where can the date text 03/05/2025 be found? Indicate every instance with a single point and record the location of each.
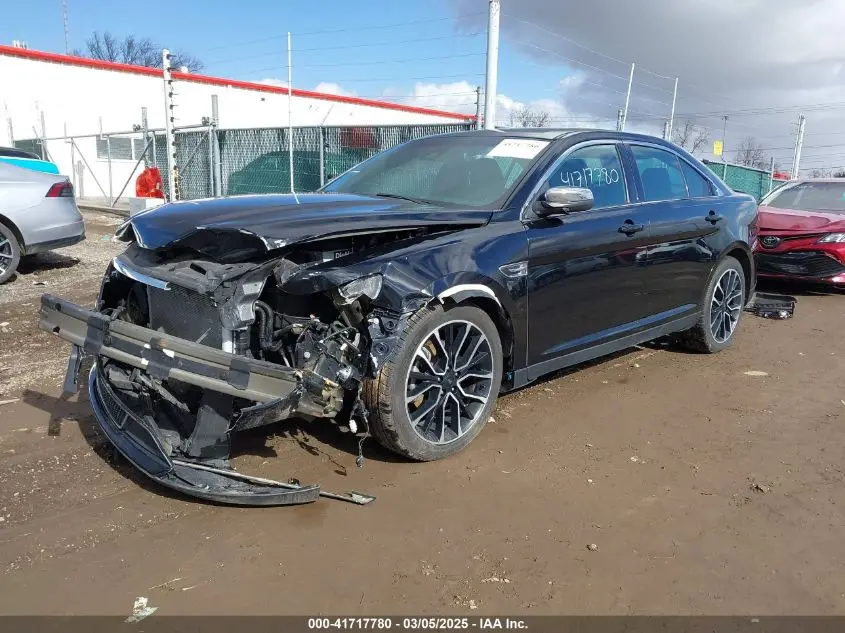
(416, 623)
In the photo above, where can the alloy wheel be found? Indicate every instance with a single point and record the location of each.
(726, 305)
(449, 382)
(6, 255)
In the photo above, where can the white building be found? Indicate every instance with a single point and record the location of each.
(47, 95)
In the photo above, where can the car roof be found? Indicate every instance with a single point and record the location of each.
(546, 133)
(840, 181)
(14, 152)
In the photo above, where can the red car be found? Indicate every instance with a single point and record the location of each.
(801, 232)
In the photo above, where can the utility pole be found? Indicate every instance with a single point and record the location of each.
(619, 120)
(145, 128)
(628, 97)
(478, 107)
(771, 173)
(67, 30)
(799, 142)
(724, 134)
(672, 116)
(492, 64)
(290, 116)
(169, 120)
(215, 148)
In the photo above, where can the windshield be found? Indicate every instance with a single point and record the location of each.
(810, 196)
(451, 171)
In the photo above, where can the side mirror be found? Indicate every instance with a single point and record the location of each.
(558, 200)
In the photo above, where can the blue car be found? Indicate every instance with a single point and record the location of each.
(27, 160)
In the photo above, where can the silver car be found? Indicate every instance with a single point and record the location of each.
(37, 213)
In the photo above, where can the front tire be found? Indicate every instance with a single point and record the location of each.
(721, 311)
(437, 393)
(10, 253)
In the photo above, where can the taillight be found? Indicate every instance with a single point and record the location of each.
(61, 190)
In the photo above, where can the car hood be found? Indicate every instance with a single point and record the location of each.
(794, 221)
(282, 220)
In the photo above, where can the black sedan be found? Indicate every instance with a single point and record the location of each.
(401, 299)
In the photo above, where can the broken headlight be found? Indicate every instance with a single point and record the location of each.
(369, 286)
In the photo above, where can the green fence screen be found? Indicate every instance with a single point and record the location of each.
(755, 182)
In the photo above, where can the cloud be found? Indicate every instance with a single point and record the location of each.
(332, 88)
(273, 81)
(458, 96)
(729, 55)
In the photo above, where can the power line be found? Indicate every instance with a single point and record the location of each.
(417, 96)
(346, 29)
(572, 60)
(344, 47)
(413, 96)
(348, 79)
(586, 48)
(563, 37)
(390, 61)
(386, 43)
(768, 110)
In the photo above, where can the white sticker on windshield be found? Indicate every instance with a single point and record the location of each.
(518, 148)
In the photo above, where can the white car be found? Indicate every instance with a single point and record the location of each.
(37, 213)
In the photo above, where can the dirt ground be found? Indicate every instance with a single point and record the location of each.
(705, 490)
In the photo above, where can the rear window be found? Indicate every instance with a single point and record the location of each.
(810, 196)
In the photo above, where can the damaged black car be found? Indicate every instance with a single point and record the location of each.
(403, 297)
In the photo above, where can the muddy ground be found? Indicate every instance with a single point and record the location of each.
(705, 490)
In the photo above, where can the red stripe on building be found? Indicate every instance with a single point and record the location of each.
(85, 62)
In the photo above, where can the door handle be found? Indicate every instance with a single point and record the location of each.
(629, 228)
(713, 217)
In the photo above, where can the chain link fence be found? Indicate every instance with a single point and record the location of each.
(212, 161)
(257, 160)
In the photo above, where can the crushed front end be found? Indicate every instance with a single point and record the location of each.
(189, 351)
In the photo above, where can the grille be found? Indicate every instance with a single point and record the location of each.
(805, 264)
(116, 411)
(186, 314)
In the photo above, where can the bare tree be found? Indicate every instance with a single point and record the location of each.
(822, 173)
(529, 117)
(133, 50)
(750, 153)
(839, 173)
(690, 136)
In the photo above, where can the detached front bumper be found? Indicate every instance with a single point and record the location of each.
(278, 391)
(138, 441)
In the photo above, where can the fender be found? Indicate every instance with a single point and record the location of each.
(453, 289)
(749, 265)
(462, 292)
(734, 246)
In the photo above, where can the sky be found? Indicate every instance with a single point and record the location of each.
(760, 62)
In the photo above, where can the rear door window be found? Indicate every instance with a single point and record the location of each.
(660, 174)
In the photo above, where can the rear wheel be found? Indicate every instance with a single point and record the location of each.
(10, 253)
(724, 300)
(437, 393)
